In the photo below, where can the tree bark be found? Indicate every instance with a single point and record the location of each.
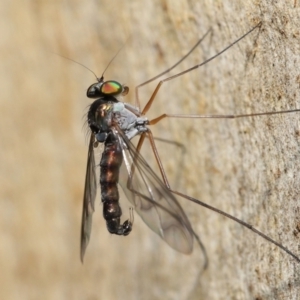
(247, 167)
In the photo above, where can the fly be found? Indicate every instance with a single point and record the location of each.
(114, 123)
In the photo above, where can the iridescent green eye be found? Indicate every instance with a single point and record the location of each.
(111, 88)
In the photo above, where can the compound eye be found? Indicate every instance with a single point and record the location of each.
(111, 88)
(94, 91)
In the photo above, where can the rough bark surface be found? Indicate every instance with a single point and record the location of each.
(247, 167)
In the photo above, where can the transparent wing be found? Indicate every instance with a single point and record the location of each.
(156, 205)
(89, 196)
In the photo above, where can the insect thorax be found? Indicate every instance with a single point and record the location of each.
(103, 115)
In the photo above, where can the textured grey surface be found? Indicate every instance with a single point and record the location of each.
(249, 167)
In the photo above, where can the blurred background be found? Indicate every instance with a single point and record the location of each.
(247, 167)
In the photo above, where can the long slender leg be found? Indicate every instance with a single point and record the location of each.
(149, 135)
(180, 162)
(156, 120)
(164, 176)
(149, 103)
(238, 221)
(158, 160)
(168, 70)
(156, 155)
(131, 188)
(201, 245)
(132, 170)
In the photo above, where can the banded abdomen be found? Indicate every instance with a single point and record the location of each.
(109, 176)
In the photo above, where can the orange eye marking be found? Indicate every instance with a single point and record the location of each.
(111, 87)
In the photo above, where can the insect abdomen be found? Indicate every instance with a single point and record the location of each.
(109, 176)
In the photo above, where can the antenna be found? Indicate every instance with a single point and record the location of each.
(113, 58)
(76, 62)
(99, 79)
